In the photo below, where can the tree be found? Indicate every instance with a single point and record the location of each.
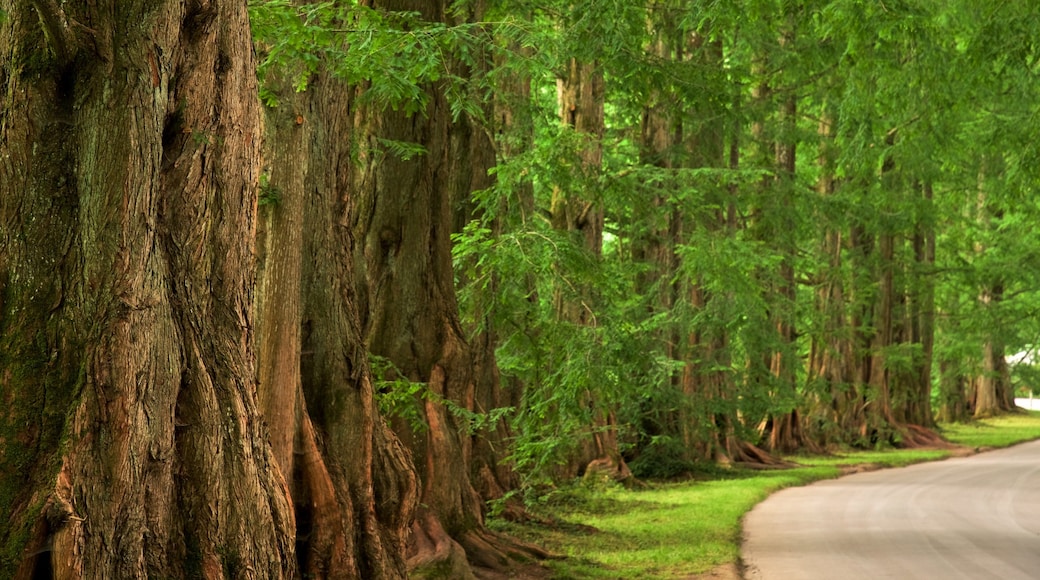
(406, 180)
(353, 486)
(132, 444)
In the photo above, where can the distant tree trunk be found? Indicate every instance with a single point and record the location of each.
(581, 94)
(953, 403)
(920, 307)
(991, 390)
(658, 224)
(709, 418)
(783, 429)
(131, 444)
(353, 485)
(832, 354)
(879, 306)
(785, 433)
(473, 155)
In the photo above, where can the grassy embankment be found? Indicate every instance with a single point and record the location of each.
(675, 530)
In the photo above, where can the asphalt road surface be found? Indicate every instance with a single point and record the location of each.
(971, 517)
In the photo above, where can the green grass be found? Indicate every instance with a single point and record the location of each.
(667, 531)
(995, 432)
(674, 530)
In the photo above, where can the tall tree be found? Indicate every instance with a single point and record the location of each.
(132, 444)
(410, 316)
(353, 486)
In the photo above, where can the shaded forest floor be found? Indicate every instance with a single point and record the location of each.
(690, 529)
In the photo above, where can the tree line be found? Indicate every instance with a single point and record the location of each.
(306, 289)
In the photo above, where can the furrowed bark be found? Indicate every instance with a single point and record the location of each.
(128, 187)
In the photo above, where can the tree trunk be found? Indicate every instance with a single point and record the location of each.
(133, 445)
(777, 227)
(580, 97)
(410, 317)
(991, 390)
(785, 434)
(917, 409)
(473, 156)
(353, 485)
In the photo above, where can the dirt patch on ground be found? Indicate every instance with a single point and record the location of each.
(962, 451)
(724, 572)
(850, 468)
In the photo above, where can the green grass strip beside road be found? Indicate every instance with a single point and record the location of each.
(675, 530)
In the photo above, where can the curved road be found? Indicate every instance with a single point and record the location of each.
(970, 517)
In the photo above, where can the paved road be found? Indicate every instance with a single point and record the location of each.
(972, 517)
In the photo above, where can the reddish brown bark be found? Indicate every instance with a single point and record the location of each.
(403, 223)
(326, 432)
(132, 445)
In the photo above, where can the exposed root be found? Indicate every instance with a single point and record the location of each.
(489, 550)
(478, 552)
(749, 456)
(433, 553)
(607, 469)
(322, 541)
(916, 437)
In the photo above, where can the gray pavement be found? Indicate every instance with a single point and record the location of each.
(971, 517)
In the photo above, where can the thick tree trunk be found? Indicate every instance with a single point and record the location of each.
(353, 485)
(403, 223)
(132, 445)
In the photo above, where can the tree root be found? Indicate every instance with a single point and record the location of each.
(750, 456)
(917, 437)
(475, 553)
(432, 552)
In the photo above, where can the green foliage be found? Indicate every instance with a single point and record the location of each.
(393, 55)
(269, 194)
(401, 149)
(399, 397)
(910, 120)
(396, 395)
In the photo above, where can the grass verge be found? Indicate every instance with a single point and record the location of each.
(677, 530)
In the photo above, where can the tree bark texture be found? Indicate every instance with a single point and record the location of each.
(403, 223)
(131, 444)
(353, 486)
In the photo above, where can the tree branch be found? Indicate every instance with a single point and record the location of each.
(56, 27)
